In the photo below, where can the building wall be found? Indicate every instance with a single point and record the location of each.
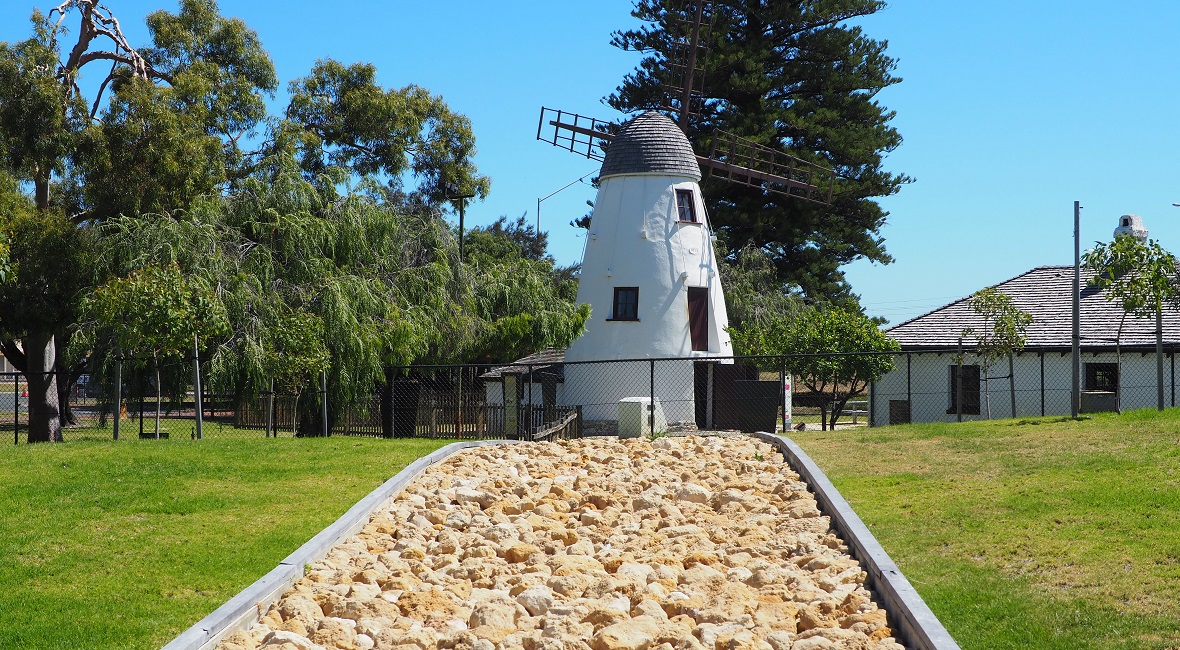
(929, 385)
(635, 240)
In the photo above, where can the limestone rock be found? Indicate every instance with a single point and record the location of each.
(536, 599)
(625, 635)
(682, 543)
(281, 638)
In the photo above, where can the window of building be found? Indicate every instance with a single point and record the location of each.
(1102, 376)
(685, 206)
(970, 390)
(626, 304)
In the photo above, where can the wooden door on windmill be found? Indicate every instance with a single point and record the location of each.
(698, 318)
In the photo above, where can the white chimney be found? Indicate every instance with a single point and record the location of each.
(1131, 224)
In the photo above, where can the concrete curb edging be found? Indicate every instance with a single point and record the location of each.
(247, 606)
(909, 616)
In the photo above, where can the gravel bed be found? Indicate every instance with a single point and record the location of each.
(681, 543)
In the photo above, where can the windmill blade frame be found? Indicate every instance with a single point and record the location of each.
(744, 162)
(580, 134)
(685, 64)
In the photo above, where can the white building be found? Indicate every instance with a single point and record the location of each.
(922, 386)
(649, 274)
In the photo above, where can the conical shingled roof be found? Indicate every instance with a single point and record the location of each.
(650, 144)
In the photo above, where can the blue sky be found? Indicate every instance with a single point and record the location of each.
(1010, 112)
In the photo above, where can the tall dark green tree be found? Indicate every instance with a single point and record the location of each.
(801, 78)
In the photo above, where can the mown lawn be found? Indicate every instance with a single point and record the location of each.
(1044, 533)
(126, 544)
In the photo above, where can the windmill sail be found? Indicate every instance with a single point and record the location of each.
(748, 163)
(684, 67)
(577, 133)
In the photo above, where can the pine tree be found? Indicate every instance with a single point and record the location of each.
(801, 78)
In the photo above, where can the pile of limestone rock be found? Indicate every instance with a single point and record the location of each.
(595, 544)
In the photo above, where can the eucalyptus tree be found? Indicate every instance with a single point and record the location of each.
(162, 128)
(351, 124)
(37, 296)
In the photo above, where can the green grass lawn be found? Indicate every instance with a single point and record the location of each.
(1045, 533)
(126, 544)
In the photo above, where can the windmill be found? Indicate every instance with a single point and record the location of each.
(649, 271)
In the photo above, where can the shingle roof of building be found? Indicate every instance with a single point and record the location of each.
(550, 360)
(1046, 293)
(650, 144)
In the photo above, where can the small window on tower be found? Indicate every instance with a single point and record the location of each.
(626, 303)
(684, 205)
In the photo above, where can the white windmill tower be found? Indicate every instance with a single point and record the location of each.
(649, 271)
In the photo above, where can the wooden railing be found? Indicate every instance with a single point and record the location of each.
(566, 428)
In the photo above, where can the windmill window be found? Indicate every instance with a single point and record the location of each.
(685, 206)
(1126, 222)
(626, 304)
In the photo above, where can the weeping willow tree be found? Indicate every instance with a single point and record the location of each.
(311, 278)
(523, 300)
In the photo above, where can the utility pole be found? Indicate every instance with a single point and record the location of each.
(1075, 396)
(453, 194)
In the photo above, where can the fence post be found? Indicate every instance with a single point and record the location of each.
(1042, 355)
(387, 404)
(1159, 359)
(782, 380)
(197, 383)
(1012, 383)
(118, 392)
(459, 406)
(909, 391)
(651, 406)
(270, 410)
(16, 409)
(709, 397)
(529, 408)
(578, 431)
(959, 384)
(324, 403)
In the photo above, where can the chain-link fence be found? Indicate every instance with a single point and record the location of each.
(933, 386)
(554, 398)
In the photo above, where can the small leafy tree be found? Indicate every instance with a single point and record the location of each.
(158, 313)
(833, 352)
(1140, 276)
(1002, 335)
